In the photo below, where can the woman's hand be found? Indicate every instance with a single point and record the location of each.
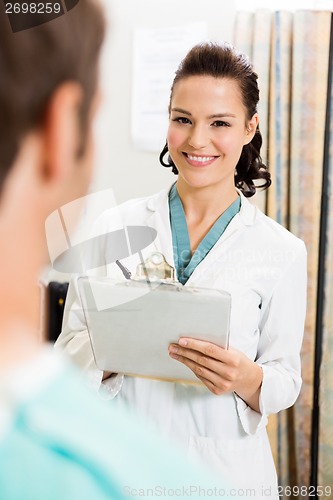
(219, 369)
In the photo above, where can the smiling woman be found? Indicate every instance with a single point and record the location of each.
(205, 145)
(208, 230)
(217, 89)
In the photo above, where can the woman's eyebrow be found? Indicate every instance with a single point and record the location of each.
(180, 110)
(222, 115)
(215, 115)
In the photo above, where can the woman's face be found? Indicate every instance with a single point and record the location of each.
(207, 130)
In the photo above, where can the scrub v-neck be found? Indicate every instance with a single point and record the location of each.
(185, 262)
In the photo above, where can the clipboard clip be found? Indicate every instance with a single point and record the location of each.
(155, 268)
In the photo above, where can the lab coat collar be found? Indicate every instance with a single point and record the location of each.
(159, 218)
(247, 213)
(158, 200)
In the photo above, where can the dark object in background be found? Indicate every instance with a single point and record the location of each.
(55, 305)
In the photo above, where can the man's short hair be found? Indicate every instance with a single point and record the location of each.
(34, 62)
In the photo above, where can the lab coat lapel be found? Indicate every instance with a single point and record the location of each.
(159, 219)
(245, 217)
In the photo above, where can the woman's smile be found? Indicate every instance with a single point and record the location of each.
(199, 160)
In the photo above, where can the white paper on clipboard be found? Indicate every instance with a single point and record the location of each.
(131, 334)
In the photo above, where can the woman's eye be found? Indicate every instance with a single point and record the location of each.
(220, 123)
(181, 119)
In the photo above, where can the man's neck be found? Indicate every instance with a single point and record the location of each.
(19, 343)
(19, 291)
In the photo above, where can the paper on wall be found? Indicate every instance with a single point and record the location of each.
(156, 55)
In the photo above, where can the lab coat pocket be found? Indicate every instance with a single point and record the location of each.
(245, 317)
(238, 462)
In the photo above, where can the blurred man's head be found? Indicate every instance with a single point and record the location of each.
(48, 82)
(48, 96)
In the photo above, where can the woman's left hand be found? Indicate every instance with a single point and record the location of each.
(221, 370)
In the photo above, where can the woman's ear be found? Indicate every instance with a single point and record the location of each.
(251, 128)
(61, 132)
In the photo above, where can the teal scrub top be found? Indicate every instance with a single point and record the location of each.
(65, 444)
(185, 262)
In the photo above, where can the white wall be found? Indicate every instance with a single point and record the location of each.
(119, 165)
(284, 4)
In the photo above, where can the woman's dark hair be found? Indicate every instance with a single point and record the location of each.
(222, 61)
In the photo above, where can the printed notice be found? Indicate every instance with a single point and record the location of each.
(156, 56)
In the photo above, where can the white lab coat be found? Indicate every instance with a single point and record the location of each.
(263, 266)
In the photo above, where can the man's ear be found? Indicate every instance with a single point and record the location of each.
(61, 132)
(251, 128)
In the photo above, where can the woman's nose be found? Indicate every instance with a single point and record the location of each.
(198, 137)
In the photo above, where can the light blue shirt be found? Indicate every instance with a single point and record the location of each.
(60, 441)
(185, 262)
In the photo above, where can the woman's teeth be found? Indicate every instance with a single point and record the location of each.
(200, 158)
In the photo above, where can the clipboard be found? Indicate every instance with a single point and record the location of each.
(132, 323)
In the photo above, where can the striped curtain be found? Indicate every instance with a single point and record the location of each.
(291, 53)
(325, 452)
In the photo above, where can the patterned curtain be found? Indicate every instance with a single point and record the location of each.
(291, 53)
(325, 459)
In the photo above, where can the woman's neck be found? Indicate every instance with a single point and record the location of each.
(205, 204)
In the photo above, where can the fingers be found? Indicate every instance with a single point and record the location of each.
(218, 368)
(208, 370)
(213, 388)
(192, 358)
(207, 348)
